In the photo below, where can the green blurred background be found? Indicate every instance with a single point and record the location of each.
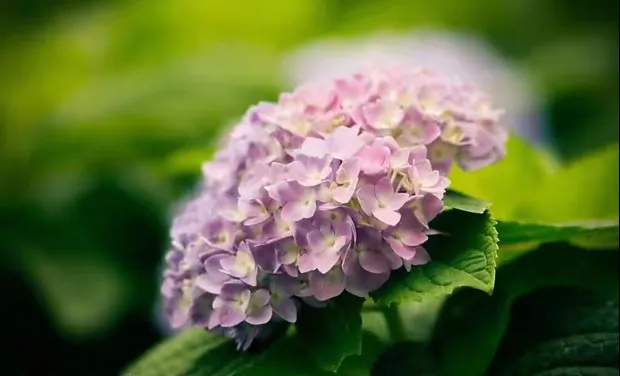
(107, 109)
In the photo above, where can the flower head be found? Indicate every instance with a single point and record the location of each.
(326, 191)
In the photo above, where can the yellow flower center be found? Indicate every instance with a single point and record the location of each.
(244, 262)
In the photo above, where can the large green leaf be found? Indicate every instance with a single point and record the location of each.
(509, 181)
(197, 352)
(584, 190)
(522, 236)
(560, 331)
(528, 186)
(289, 357)
(286, 357)
(176, 355)
(332, 333)
(361, 365)
(472, 320)
(464, 255)
(405, 359)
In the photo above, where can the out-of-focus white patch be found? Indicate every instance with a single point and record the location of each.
(461, 56)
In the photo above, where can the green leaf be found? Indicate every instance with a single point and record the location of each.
(290, 357)
(527, 186)
(456, 200)
(509, 181)
(406, 358)
(332, 333)
(197, 352)
(463, 256)
(560, 331)
(589, 235)
(187, 161)
(286, 357)
(584, 190)
(470, 319)
(361, 365)
(176, 355)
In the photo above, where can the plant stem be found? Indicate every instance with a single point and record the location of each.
(394, 323)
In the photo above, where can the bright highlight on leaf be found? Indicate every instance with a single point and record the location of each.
(584, 190)
(457, 200)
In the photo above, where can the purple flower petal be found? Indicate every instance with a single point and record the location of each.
(367, 199)
(287, 252)
(324, 261)
(387, 216)
(241, 265)
(383, 114)
(360, 282)
(327, 286)
(213, 278)
(400, 249)
(233, 291)
(266, 258)
(260, 316)
(178, 319)
(344, 142)
(325, 247)
(421, 257)
(305, 263)
(227, 316)
(285, 308)
(314, 170)
(374, 262)
(374, 159)
(259, 311)
(313, 147)
(296, 211)
(342, 194)
(201, 309)
(347, 177)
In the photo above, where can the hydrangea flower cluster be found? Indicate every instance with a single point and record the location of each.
(328, 190)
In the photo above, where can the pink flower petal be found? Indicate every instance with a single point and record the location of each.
(327, 286)
(400, 249)
(343, 195)
(412, 237)
(367, 198)
(387, 216)
(374, 262)
(229, 315)
(314, 147)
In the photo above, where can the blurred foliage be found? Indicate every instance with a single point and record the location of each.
(107, 110)
(496, 183)
(530, 185)
(552, 330)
